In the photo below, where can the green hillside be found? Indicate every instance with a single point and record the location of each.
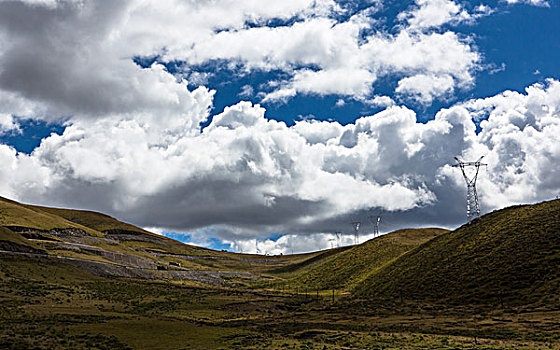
(16, 214)
(10, 241)
(91, 219)
(92, 237)
(344, 268)
(73, 279)
(100, 222)
(507, 258)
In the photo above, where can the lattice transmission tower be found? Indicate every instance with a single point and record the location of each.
(356, 226)
(473, 208)
(375, 219)
(338, 235)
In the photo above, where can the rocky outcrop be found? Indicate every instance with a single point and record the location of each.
(19, 248)
(75, 232)
(122, 232)
(126, 235)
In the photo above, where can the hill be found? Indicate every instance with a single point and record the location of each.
(509, 257)
(345, 267)
(10, 241)
(15, 214)
(105, 246)
(74, 279)
(91, 219)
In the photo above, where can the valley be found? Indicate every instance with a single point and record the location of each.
(77, 279)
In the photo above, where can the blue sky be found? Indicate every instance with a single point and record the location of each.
(525, 39)
(140, 113)
(520, 45)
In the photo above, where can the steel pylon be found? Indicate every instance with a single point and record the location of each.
(473, 207)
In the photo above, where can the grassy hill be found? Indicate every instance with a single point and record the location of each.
(98, 238)
(507, 258)
(16, 214)
(10, 241)
(91, 219)
(77, 279)
(345, 267)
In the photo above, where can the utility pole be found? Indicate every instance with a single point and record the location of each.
(473, 208)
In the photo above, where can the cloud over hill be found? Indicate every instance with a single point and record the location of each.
(133, 145)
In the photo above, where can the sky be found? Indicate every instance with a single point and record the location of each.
(266, 127)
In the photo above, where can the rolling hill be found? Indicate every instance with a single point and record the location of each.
(345, 267)
(507, 258)
(106, 246)
(15, 214)
(511, 256)
(72, 279)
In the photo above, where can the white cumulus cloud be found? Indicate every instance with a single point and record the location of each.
(434, 13)
(133, 146)
(543, 3)
(424, 88)
(8, 124)
(245, 175)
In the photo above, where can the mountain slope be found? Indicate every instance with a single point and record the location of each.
(343, 269)
(45, 218)
(15, 214)
(11, 241)
(508, 257)
(104, 245)
(91, 219)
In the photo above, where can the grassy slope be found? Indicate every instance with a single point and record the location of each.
(46, 303)
(96, 221)
(102, 222)
(16, 214)
(509, 257)
(49, 303)
(44, 218)
(345, 268)
(8, 239)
